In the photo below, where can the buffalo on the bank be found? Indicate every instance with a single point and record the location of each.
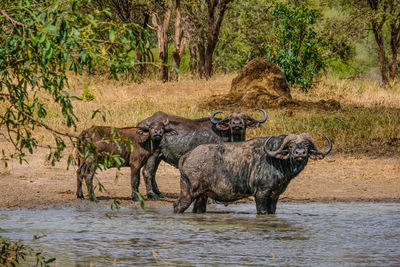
(190, 134)
(133, 144)
(262, 167)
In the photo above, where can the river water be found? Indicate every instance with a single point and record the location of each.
(300, 234)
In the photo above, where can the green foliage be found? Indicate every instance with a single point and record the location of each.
(87, 95)
(40, 41)
(293, 45)
(243, 34)
(15, 253)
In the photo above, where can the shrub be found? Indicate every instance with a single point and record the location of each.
(293, 46)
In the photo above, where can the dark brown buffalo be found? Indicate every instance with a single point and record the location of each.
(190, 134)
(135, 145)
(262, 167)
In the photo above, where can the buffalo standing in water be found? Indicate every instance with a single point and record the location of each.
(262, 167)
(190, 134)
(133, 144)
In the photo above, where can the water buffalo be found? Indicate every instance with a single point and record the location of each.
(262, 167)
(190, 134)
(133, 144)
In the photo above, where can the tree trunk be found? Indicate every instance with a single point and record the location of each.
(162, 38)
(394, 44)
(140, 68)
(192, 36)
(377, 30)
(179, 44)
(193, 57)
(201, 63)
(383, 63)
(393, 69)
(214, 26)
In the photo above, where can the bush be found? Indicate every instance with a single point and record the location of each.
(293, 46)
(15, 253)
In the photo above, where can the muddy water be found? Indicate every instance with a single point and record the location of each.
(300, 234)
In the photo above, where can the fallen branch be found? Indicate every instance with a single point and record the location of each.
(14, 23)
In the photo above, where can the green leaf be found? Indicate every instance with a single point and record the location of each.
(50, 260)
(111, 35)
(94, 113)
(50, 28)
(141, 199)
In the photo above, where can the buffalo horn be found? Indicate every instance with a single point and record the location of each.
(213, 119)
(314, 146)
(280, 149)
(166, 121)
(265, 116)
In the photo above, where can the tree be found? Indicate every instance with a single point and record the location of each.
(244, 34)
(40, 41)
(130, 12)
(383, 19)
(179, 41)
(293, 45)
(161, 19)
(206, 20)
(386, 12)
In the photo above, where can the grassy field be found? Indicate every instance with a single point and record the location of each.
(367, 123)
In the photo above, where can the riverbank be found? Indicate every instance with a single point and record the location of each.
(336, 178)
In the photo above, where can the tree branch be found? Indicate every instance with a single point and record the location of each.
(14, 22)
(40, 123)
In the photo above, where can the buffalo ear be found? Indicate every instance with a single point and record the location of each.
(222, 126)
(143, 132)
(316, 155)
(171, 132)
(253, 124)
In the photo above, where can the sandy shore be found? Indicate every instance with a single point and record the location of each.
(336, 178)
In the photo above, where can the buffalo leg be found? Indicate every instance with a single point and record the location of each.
(89, 174)
(154, 185)
(200, 204)
(184, 200)
(135, 181)
(149, 171)
(263, 202)
(80, 174)
(272, 206)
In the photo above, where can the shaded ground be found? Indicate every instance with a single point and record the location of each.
(336, 178)
(230, 101)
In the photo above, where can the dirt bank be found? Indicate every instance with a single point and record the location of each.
(336, 178)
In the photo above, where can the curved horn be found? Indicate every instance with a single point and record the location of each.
(265, 116)
(213, 119)
(166, 122)
(316, 150)
(280, 149)
(259, 121)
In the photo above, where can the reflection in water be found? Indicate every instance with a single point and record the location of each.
(300, 234)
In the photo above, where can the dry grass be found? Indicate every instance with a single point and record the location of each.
(368, 122)
(362, 93)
